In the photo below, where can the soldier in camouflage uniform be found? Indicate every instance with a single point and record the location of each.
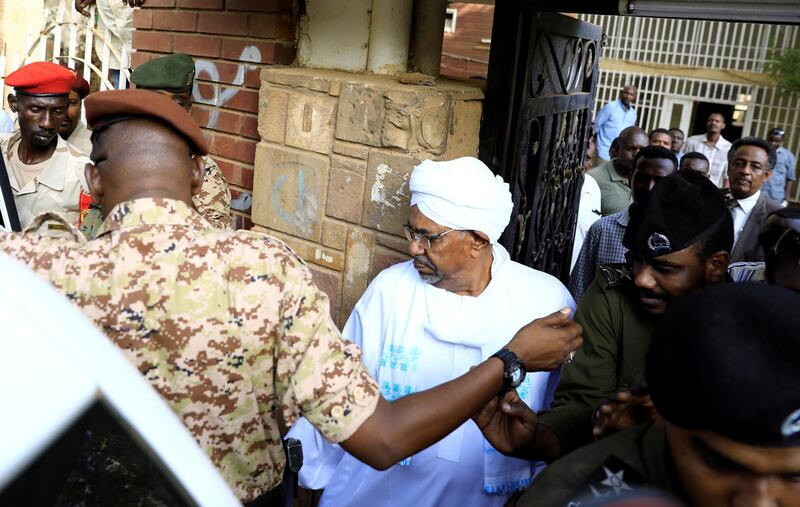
(173, 76)
(228, 326)
(678, 241)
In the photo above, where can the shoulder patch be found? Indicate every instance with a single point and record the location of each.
(614, 478)
(613, 275)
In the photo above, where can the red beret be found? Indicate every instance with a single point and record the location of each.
(41, 78)
(80, 85)
(119, 105)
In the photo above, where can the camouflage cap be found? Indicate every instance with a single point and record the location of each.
(174, 73)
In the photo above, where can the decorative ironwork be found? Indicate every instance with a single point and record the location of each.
(539, 99)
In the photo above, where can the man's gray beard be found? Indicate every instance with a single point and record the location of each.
(432, 279)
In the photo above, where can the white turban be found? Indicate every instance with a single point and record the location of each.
(462, 194)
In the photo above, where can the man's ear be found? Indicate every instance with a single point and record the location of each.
(198, 171)
(95, 182)
(12, 102)
(480, 242)
(716, 267)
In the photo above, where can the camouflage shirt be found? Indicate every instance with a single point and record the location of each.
(213, 202)
(214, 199)
(228, 327)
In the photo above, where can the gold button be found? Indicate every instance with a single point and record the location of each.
(358, 393)
(337, 412)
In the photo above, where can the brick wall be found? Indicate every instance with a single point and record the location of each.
(463, 53)
(230, 40)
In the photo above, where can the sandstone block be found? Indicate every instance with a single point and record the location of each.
(350, 149)
(417, 120)
(289, 190)
(272, 113)
(386, 196)
(309, 121)
(465, 130)
(360, 248)
(345, 195)
(351, 164)
(312, 253)
(334, 234)
(360, 115)
(331, 285)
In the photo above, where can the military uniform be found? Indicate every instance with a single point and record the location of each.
(616, 334)
(81, 138)
(57, 188)
(622, 463)
(227, 326)
(214, 200)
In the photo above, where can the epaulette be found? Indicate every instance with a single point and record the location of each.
(54, 225)
(614, 275)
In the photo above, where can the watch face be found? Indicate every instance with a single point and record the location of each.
(517, 376)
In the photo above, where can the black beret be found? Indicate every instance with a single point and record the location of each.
(727, 359)
(681, 209)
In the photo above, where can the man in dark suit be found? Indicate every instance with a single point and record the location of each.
(750, 163)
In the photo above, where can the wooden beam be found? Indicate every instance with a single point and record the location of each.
(731, 76)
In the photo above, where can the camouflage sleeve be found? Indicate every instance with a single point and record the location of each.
(319, 374)
(214, 200)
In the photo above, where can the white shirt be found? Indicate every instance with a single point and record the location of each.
(741, 212)
(405, 325)
(717, 156)
(588, 213)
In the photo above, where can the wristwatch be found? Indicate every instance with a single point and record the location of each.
(514, 373)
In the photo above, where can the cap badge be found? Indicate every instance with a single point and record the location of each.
(658, 244)
(791, 424)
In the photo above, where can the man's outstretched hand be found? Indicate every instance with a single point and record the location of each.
(625, 409)
(545, 343)
(507, 423)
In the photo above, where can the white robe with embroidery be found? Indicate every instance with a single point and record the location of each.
(414, 337)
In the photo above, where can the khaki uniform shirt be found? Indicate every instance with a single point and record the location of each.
(56, 189)
(616, 335)
(227, 326)
(214, 199)
(622, 463)
(615, 191)
(81, 138)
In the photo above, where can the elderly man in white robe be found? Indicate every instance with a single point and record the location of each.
(426, 321)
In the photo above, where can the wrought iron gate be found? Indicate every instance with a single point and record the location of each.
(538, 112)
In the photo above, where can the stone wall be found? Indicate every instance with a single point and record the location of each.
(230, 41)
(332, 167)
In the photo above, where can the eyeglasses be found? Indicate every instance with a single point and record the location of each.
(423, 240)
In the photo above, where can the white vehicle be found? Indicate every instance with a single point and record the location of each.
(79, 425)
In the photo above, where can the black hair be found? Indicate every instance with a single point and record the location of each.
(724, 119)
(676, 129)
(695, 154)
(655, 152)
(777, 131)
(658, 131)
(721, 239)
(772, 156)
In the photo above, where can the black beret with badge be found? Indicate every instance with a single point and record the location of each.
(726, 359)
(174, 73)
(681, 209)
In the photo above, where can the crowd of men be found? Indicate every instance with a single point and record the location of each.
(462, 377)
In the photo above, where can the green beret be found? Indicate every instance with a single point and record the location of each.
(174, 73)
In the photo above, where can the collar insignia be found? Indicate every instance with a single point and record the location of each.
(658, 244)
